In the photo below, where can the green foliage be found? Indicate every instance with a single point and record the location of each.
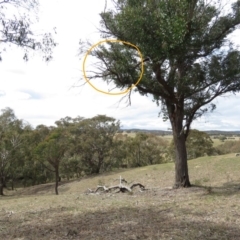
(11, 130)
(33, 171)
(198, 144)
(229, 147)
(141, 150)
(95, 142)
(181, 38)
(52, 149)
(78, 146)
(223, 138)
(71, 167)
(187, 64)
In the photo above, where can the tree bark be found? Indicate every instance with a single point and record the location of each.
(181, 166)
(176, 114)
(100, 163)
(1, 189)
(56, 179)
(12, 183)
(1, 185)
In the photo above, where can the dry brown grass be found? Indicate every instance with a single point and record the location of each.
(217, 142)
(209, 210)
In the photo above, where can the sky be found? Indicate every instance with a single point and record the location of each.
(42, 93)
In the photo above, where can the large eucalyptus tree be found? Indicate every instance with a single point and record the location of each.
(188, 59)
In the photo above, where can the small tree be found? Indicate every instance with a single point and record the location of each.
(51, 151)
(10, 141)
(95, 138)
(222, 138)
(188, 59)
(32, 170)
(198, 144)
(143, 149)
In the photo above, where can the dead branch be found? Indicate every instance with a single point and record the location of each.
(137, 184)
(121, 187)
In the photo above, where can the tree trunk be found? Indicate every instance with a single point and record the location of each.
(1, 189)
(56, 179)
(181, 166)
(96, 170)
(100, 163)
(12, 183)
(1, 185)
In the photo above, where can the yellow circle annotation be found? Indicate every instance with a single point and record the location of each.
(118, 41)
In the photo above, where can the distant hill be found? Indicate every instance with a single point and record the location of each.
(157, 132)
(218, 132)
(163, 132)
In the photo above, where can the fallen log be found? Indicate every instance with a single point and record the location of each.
(121, 187)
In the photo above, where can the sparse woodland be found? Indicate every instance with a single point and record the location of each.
(77, 147)
(189, 60)
(71, 149)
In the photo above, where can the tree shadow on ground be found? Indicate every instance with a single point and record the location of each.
(120, 223)
(42, 189)
(227, 189)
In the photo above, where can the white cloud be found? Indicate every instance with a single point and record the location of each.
(41, 93)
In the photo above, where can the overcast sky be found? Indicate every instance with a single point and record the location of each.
(42, 93)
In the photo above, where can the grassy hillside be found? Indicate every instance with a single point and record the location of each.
(209, 210)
